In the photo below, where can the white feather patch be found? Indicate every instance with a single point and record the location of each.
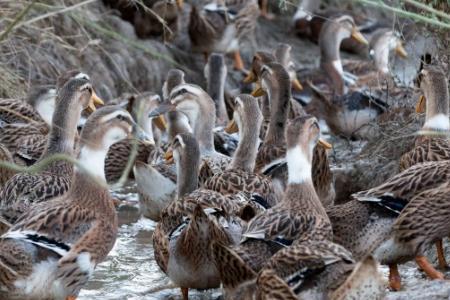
(299, 167)
(85, 264)
(438, 122)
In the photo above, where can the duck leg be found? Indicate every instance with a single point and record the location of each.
(71, 298)
(395, 281)
(238, 64)
(425, 265)
(265, 10)
(185, 293)
(440, 254)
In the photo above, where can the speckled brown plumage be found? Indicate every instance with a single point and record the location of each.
(5, 173)
(18, 111)
(231, 182)
(361, 225)
(68, 236)
(11, 134)
(118, 155)
(425, 219)
(432, 144)
(24, 188)
(207, 27)
(299, 216)
(426, 148)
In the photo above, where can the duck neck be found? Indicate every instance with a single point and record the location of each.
(330, 60)
(436, 118)
(279, 98)
(64, 127)
(245, 156)
(187, 170)
(93, 162)
(336, 78)
(204, 126)
(300, 184)
(216, 89)
(381, 58)
(299, 164)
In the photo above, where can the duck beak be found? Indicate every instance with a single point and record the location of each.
(142, 136)
(231, 127)
(401, 51)
(251, 77)
(180, 3)
(95, 100)
(258, 91)
(162, 109)
(357, 35)
(296, 85)
(168, 156)
(160, 122)
(325, 144)
(421, 104)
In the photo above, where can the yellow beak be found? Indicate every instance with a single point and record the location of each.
(251, 77)
(160, 122)
(358, 36)
(421, 105)
(168, 156)
(231, 127)
(401, 51)
(95, 100)
(325, 144)
(258, 91)
(296, 85)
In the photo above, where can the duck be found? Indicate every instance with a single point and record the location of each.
(309, 20)
(215, 72)
(308, 270)
(119, 153)
(156, 182)
(346, 111)
(193, 101)
(195, 219)
(299, 215)
(52, 250)
(218, 27)
(275, 82)
(174, 77)
(376, 73)
(162, 20)
(27, 140)
(23, 189)
(381, 44)
(239, 175)
(432, 143)
(364, 224)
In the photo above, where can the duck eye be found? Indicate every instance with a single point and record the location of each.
(121, 118)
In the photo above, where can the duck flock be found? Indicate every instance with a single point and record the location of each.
(239, 182)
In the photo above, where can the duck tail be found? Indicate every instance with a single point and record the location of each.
(232, 269)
